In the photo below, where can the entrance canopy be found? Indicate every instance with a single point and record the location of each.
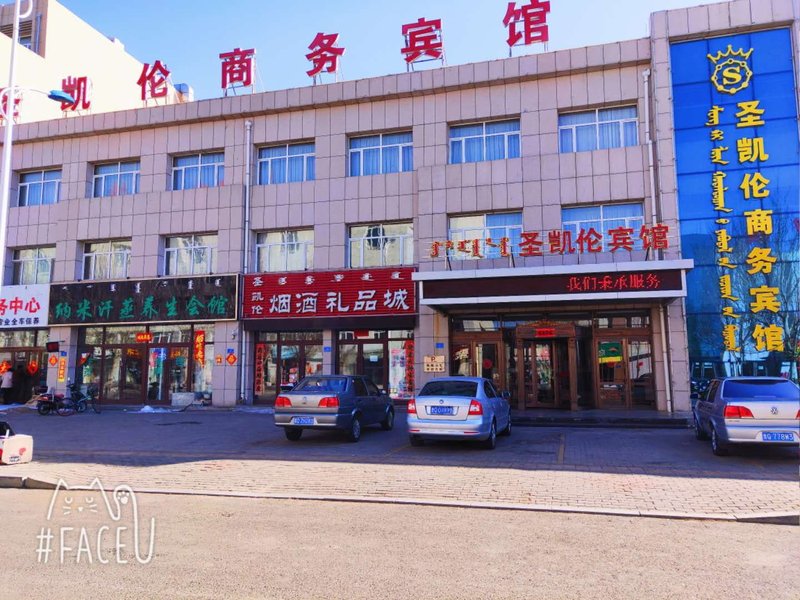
(665, 279)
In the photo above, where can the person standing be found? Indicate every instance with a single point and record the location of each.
(7, 384)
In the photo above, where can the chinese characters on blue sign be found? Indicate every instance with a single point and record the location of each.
(736, 141)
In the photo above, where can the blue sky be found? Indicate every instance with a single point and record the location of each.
(189, 35)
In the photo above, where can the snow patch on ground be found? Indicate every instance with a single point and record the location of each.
(264, 410)
(149, 409)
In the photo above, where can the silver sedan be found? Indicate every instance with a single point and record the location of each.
(459, 408)
(748, 410)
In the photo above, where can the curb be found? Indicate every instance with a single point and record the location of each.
(773, 518)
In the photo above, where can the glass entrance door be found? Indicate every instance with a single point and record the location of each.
(612, 377)
(131, 377)
(373, 363)
(477, 358)
(544, 368)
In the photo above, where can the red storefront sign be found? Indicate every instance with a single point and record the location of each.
(545, 332)
(144, 337)
(345, 293)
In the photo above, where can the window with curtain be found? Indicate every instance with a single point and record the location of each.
(106, 260)
(33, 265)
(484, 141)
(117, 178)
(598, 129)
(491, 226)
(39, 187)
(198, 170)
(603, 218)
(381, 245)
(291, 250)
(286, 163)
(190, 254)
(382, 153)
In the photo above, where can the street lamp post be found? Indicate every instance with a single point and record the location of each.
(7, 100)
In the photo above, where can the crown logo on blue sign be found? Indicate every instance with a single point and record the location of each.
(731, 72)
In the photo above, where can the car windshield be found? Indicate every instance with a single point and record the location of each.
(450, 388)
(321, 384)
(757, 389)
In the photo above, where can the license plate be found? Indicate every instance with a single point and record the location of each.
(303, 421)
(771, 436)
(441, 410)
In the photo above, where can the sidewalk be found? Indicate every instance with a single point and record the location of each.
(608, 471)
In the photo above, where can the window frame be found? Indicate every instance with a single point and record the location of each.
(192, 248)
(456, 235)
(89, 273)
(381, 147)
(596, 112)
(384, 240)
(18, 270)
(119, 173)
(265, 246)
(41, 182)
(483, 137)
(265, 168)
(218, 172)
(638, 244)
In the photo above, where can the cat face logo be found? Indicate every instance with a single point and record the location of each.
(731, 72)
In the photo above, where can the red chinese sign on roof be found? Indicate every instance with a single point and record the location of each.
(345, 293)
(531, 19)
(324, 56)
(423, 38)
(80, 88)
(237, 67)
(153, 80)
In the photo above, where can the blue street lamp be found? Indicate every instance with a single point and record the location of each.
(7, 100)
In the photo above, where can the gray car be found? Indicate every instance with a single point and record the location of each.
(748, 410)
(345, 402)
(459, 408)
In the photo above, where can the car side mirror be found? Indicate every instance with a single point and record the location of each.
(505, 395)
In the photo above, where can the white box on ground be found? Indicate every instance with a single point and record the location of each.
(181, 398)
(16, 449)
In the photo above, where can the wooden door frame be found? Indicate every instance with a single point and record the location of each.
(572, 366)
(624, 335)
(484, 337)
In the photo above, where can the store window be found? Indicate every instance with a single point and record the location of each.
(492, 226)
(114, 179)
(598, 129)
(291, 250)
(190, 254)
(379, 245)
(477, 142)
(382, 153)
(33, 265)
(604, 218)
(385, 356)
(283, 359)
(106, 260)
(286, 163)
(23, 351)
(198, 171)
(39, 187)
(176, 358)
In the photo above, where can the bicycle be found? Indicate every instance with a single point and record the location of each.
(81, 401)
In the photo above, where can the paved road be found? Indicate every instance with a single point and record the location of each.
(208, 547)
(648, 470)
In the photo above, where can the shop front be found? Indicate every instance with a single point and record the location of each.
(353, 321)
(569, 341)
(146, 341)
(23, 338)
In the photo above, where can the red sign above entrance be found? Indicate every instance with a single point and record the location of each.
(545, 332)
(144, 337)
(345, 293)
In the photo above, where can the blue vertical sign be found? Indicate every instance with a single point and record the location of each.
(738, 165)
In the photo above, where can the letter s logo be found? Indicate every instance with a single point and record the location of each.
(732, 75)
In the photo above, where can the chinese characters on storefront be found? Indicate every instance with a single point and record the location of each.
(24, 306)
(189, 299)
(534, 243)
(740, 137)
(346, 293)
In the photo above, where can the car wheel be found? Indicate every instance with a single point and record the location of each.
(699, 432)
(293, 433)
(507, 431)
(717, 447)
(388, 423)
(491, 442)
(355, 430)
(415, 440)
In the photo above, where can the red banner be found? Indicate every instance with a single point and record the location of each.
(200, 346)
(345, 293)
